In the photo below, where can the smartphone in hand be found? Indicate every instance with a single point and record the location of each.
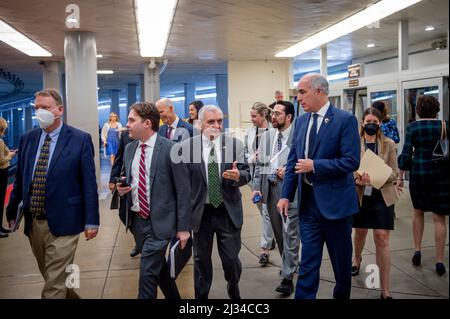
(122, 181)
(256, 198)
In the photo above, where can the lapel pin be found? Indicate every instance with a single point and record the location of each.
(327, 120)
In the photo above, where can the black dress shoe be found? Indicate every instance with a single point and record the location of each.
(355, 269)
(385, 297)
(3, 235)
(440, 269)
(286, 287)
(416, 260)
(264, 259)
(4, 231)
(134, 252)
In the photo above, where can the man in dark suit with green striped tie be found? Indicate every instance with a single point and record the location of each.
(217, 168)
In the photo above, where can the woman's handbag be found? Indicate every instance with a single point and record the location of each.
(440, 152)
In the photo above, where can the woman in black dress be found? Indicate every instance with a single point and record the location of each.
(377, 205)
(429, 183)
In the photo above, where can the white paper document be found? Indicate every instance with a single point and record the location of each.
(377, 169)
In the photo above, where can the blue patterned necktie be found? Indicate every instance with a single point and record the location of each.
(38, 184)
(273, 175)
(311, 142)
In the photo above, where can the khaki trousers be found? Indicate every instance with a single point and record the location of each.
(53, 254)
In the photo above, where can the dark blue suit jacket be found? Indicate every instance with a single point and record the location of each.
(71, 198)
(183, 131)
(336, 156)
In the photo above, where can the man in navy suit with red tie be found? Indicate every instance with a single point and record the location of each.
(173, 128)
(324, 154)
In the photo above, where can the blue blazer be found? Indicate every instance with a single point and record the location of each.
(71, 199)
(336, 156)
(183, 131)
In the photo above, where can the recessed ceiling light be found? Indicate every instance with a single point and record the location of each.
(99, 55)
(429, 28)
(19, 41)
(105, 72)
(369, 15)
(371, 45)
(154, 19)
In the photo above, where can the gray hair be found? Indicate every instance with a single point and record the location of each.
(278, 92)
(208, 108)
(318, 82)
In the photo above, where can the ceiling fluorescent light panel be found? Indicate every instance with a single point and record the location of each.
(371, 14)
(154, 20)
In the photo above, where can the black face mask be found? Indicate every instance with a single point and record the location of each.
(371, 128)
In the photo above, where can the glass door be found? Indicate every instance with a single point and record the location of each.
(411, 91)
(335, 101)
(355, 101)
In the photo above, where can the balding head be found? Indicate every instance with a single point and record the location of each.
(312, 92)
(166, 110)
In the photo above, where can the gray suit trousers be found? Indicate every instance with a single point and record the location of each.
(286, 231)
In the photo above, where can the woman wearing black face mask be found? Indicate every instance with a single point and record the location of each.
(377, 206)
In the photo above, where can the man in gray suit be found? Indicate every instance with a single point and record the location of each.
(158, 205)
(217, 168)
(268, 181)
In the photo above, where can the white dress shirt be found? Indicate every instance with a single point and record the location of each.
(135, 171)
(174, 125)
(206, 150)
(285, 136)
(322, 112)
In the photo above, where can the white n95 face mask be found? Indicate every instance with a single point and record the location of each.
(45, 118)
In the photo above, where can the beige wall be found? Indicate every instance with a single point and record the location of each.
(252, 81)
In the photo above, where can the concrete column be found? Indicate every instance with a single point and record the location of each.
(28, 119)
(189, 96)
(81, 86)
(131, 94)
(141, 88)
(151, 83)
(115, 102)
(263, 76)
(222, 97)
(52, 75)
(324, 61)
(15, 126)
(403, 45)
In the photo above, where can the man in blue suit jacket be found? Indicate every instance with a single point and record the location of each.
(324, 154)
(174, 128)
(55, 180)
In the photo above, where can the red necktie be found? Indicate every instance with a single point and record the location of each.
(144, 207)
(169, 132)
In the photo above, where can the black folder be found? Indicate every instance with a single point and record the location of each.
(179, 257)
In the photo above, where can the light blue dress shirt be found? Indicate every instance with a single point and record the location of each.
(54, 135)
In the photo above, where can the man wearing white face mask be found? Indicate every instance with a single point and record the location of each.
(55, 180)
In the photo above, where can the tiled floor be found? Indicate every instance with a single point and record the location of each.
(107, 270)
